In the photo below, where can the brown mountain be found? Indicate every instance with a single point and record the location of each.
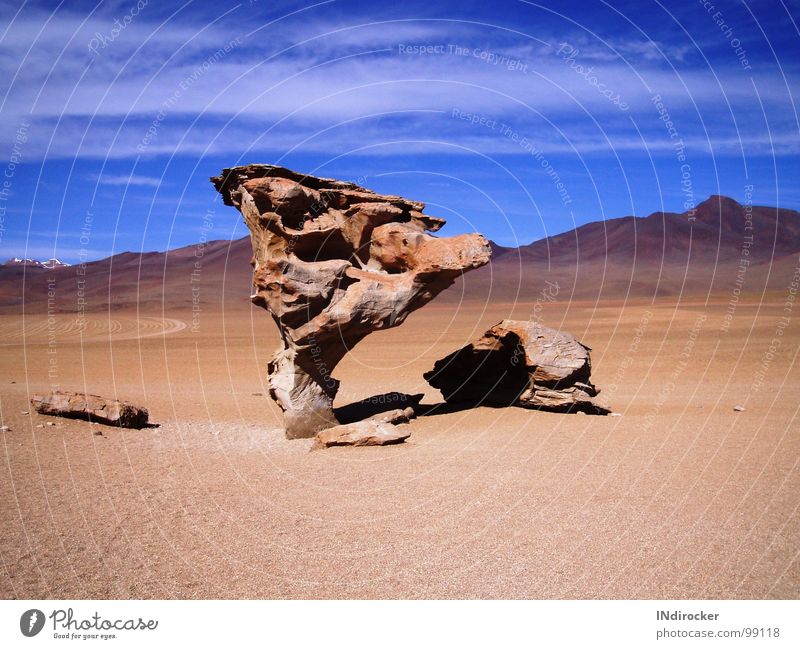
(664, 253)
(212, 273)
(720, 225)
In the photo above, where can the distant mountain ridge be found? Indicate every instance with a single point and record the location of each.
(718, 224)
(35, 263)
(663, 253)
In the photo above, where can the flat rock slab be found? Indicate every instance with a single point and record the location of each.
(362, 433)
(91, 407)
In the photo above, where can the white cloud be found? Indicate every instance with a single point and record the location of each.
(141, 181)
(154, 77)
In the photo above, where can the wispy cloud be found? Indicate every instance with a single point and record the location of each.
(141, 181)
(186, 88)
(161, 86)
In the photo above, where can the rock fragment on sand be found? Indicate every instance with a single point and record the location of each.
(738, 408)
(396, 416)
(521, 364)
(5, 429)
(362, 433)
(76, 405)
(333, 262)
(378, 430)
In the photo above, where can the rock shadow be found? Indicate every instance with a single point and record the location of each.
(381, 403)
(448, 407)
(377, 404)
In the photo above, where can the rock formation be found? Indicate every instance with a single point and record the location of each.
(519, 363)
(332, 262)
(90, 407)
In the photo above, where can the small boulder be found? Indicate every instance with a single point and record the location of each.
(519, 364)
(90, 407)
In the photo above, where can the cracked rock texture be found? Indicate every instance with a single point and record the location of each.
(522, 364)
(332, 262)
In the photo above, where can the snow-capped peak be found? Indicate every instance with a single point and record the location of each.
(54, 263)
(35, 263)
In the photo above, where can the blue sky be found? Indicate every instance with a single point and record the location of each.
(516, 119)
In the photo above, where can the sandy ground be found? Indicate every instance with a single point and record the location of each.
(680, 497)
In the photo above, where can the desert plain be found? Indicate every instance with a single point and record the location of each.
(683, 495)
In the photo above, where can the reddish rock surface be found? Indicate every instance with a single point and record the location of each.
(361, 433)
(76, 405)
(519, 363)
(333, 262)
